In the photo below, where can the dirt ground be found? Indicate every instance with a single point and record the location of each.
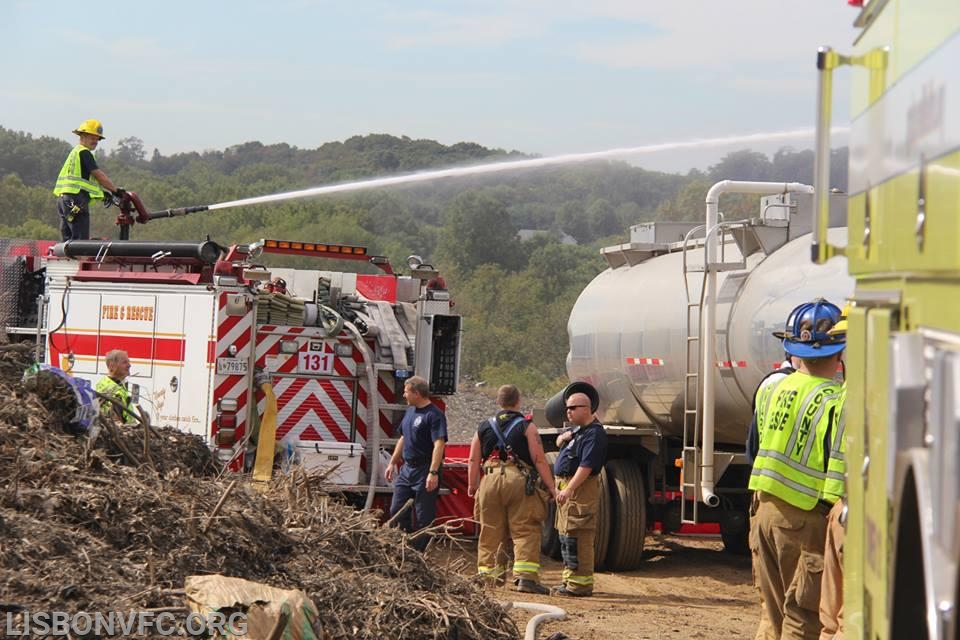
(688, 587)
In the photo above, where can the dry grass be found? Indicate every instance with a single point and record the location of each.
(118, 525)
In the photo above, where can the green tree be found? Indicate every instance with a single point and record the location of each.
(479, 231)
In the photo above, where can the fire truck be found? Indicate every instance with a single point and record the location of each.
(203, 324)
(903, 344)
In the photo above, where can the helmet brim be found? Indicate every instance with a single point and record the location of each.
(95, 135)
(585, 388)
(808, 350)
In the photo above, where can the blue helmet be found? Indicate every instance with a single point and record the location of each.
(808, 330)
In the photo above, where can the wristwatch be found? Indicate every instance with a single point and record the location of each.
(433, 472)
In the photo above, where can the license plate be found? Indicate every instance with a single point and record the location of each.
(231, 366)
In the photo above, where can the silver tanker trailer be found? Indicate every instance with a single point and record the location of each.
(676, 435)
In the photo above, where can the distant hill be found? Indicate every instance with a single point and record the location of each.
(515, 294)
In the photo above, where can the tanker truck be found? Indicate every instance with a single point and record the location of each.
(675, 336)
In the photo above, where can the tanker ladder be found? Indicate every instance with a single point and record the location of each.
(690, 459)
(692, 396)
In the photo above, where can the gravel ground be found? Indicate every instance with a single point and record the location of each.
(470, 405)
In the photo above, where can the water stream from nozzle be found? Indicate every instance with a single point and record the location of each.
(514, 165)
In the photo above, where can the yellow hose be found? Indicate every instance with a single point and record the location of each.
(267, 441)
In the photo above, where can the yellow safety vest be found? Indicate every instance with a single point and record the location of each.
(110, 387)
(71, 179)
(794, 417)
(834, 486)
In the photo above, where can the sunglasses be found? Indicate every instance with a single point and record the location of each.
(576, 406)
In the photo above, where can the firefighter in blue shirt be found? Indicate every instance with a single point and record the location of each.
(583, 452)
(416, 461)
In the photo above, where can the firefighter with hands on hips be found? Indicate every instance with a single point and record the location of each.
(798, 420)
(417, 460)
(831, 587)
(113, 385)
(80, 182)
(583, 452)
(506, 459)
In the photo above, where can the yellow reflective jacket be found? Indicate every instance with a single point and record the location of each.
(797, 421)
(71, 179)
(110, 387)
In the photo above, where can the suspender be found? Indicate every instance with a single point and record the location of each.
(502, 437)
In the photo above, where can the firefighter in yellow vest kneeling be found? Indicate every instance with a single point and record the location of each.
(113, 385)
(798, 473)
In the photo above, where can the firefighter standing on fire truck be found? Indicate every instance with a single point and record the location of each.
(113, 386)
(506, 453)
(76, 188)
(797, 421)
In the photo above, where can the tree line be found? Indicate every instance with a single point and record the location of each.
(515, 295)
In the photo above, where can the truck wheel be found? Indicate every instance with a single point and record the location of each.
(601, 544)
(628, 517)
(735, 531)
(549, 538)
(736, 543)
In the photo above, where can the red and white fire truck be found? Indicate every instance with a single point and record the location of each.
(203, 324)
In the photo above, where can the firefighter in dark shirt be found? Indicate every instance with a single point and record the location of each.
(506, 457)
(417, 460)
(583, 452)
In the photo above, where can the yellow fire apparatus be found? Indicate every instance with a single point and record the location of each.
(903, 350)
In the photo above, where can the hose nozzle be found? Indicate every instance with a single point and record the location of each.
(180, 211)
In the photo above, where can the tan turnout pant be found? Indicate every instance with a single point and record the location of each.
(787, 547)
(577, 525)
(505, 511)
(831, 589)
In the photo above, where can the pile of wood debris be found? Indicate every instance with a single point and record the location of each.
(118, 524)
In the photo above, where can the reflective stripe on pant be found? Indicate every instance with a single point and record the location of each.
(787, 546)
(577, 525)
(505, 511)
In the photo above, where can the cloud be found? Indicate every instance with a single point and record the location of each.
(733, 34)
(695, 34)
(433, 28)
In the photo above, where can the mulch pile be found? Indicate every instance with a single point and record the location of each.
(118, 525)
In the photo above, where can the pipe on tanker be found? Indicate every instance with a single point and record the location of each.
(708, 315)
(206, 251)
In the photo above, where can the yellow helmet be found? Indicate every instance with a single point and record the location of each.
(841, 326)
(93, 127)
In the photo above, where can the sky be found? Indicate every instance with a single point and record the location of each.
(548, 77)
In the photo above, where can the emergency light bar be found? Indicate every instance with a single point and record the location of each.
(322, 250)
(307, 248)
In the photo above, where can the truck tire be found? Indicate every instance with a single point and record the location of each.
(628, 515)
(549, 538)
(601, 544)
(735, 530)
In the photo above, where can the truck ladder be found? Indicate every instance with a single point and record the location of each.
(692, 458)
(690, 461)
